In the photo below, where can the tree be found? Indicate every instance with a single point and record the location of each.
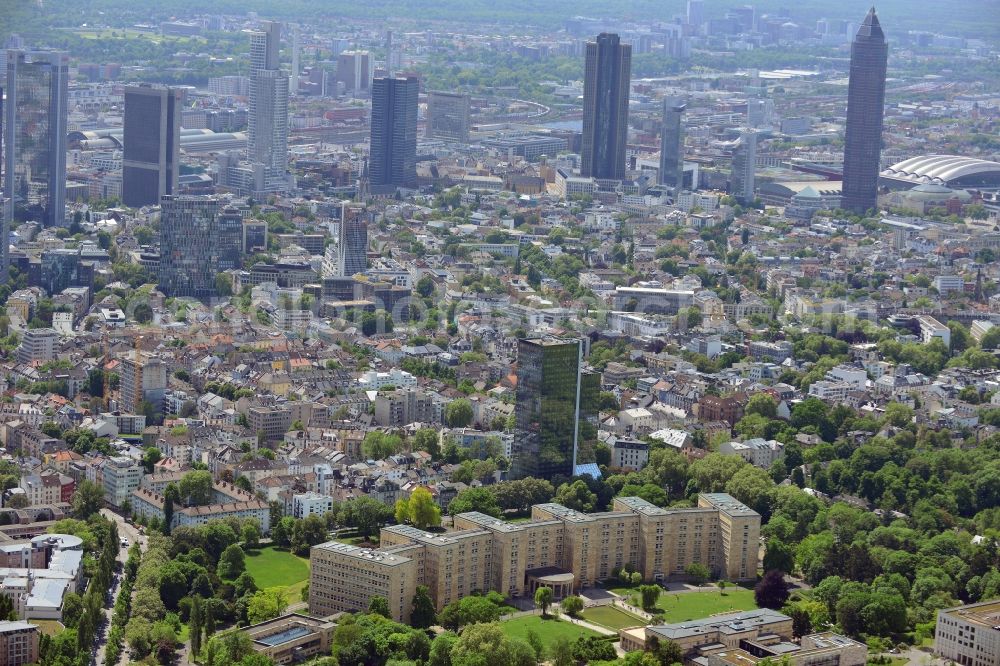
(425, 286)
(441, 646)
(572, 605)
(173, 585)
(232, 563)
(543, 599)
(366, 514)
(469, 610)
(379, 605)
(650, 594)
(801, 622)
(423, 612)
(576, 496)
(667, 652)
(698, 572)
(762, 404)
(195, 626)
(562, 652)
(521, 494)
(265, 605)
(423, 511)
(427, 439)
(250, 534)
(772, 590)
(196, 488)
(779, 556)
(458, 413)
(474, 499)
(488, 645)
(379, 445)
(87, 500)
(171, 496)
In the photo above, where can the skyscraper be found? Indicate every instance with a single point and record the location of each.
(354, 70)
(353, 243)
(35, 136)
(393, 160)
(200, 236)
(741, 178)
(865, 105)
(607, 79)
(672, 145)
(267, 127)
(448, 116)
(555, 409)
(152, 144)
(695, 13)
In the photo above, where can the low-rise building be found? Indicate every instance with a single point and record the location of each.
(18, 643)
(291, 638)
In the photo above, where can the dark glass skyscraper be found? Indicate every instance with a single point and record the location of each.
(865, 104)
(607, 79)
(199, 237)
(152, 144)
(353, 242)
(672, 145)
(393, 160)
(35, 135)
(555, 409)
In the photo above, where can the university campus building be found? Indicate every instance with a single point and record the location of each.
(559, 548)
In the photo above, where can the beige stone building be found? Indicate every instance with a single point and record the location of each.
(559, 548)
(969, 635)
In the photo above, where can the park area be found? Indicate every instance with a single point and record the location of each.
(612, 617)
(684, 606)
(277, 567)
(549, 629)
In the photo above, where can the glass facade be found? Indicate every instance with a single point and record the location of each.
(865, 109)
(393, 161)
(556, 407)
(35, 136)
(199, 238)
(606, 84)
(672, 145)
(151, 136)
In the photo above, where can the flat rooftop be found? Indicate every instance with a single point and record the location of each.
(985, 614)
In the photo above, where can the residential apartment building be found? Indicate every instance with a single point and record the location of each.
(969, 635)
(228, 501)
(121, 476)
(38, 344)
(757, 451)
(630, 454)
(559, 548)
(311, 504)
(931, 328)
(405, 406)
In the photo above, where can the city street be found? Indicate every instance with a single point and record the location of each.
(132, 534)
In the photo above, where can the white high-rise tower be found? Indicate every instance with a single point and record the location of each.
(267, 140)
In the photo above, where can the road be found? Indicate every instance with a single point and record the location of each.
(133, 536)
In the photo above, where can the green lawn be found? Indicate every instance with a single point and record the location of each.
(684, 606)
(549, 629)
(611, 617)
(48, 627)
(276, 567)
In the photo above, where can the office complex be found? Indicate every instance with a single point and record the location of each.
(353, 242)
(606, 83)
(354, 71)
(34, 136)
(969, 635)
(448, 116)
(152, 144)
(672, 145)
(560, 548)
(393, 162)
(555, 409)
(865, 105)
(200, 236)
(267, 129)
(741, 179)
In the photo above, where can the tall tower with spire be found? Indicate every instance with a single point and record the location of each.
(865, 105)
